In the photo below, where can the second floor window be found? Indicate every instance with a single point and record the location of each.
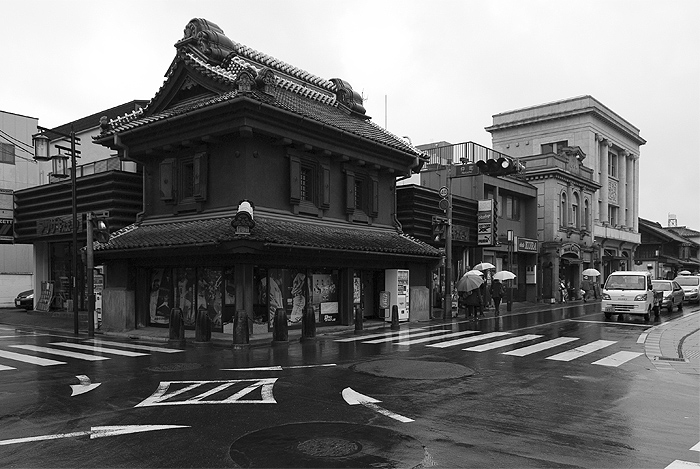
(612, 165)
(7, 153)
(575, 212)
(306, 184)
(586, 214)
(563, 210)
(612, 215)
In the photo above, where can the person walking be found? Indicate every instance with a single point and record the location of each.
(472, 302)
(497, 291)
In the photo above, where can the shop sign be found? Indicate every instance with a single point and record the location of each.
(571, 248)
(55, 225)
(485, 218)
(6, 233)
(525, 245)
(384, 299)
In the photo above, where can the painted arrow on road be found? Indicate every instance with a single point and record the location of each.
(84, 386)
(95, 432)
(353, 397)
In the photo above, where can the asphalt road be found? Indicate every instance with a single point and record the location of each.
(577, 391)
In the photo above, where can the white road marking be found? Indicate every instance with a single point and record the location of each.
(62, 353)
(136, 346)
(642, 337)
(581, 351)
(276, 368)
(4, 368)
(29, 359)
(373, 336)
(353, 397)
(406, 335)
(84, 386)
(428, 339)
(95, 432)
(502, 343)
(161, 396)
(99, 348)
(466, 340)
(523, 351)
(617, 359)
(678, 464)
(696, 447)
(606, 322)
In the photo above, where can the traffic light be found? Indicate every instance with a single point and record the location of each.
(100, 229)
(500, 167)
(439, 227)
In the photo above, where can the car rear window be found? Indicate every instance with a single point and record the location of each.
(688, 281)
(661, 286)
(626, 282)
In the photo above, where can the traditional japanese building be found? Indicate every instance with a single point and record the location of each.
(265, 187)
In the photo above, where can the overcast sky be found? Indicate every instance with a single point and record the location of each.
(431, 70)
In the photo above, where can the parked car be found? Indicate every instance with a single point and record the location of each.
(25, 300)
(690, 285)
(630, 292)
(673, 293)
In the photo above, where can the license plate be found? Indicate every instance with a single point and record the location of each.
(610, 309)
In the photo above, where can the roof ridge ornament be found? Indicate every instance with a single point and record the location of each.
(346, 96)
(207, 40)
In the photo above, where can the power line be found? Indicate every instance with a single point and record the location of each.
(32, 160)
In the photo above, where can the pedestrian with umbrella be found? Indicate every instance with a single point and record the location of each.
(497, 292)
(468, 286)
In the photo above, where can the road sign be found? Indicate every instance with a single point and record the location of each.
(443, 192)
(468, 169)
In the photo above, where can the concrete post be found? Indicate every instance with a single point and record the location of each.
(395, 317)
(308, 324)
(280, 329)
(241, 336)
(176, 328)
(202, 333)
(358, 320)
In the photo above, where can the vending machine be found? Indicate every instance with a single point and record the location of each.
(396, 283)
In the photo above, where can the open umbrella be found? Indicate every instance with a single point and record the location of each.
(469, 282)
(484, 266)
(504, 275)
(474, 272)
(684, 272)
(591, 272)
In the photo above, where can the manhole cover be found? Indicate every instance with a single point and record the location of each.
(413, 369)
(326, 444)
(168, 367)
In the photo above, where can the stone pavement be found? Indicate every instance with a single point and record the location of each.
(673, 345)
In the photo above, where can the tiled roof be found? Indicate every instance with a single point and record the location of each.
(268, 231)
(293, 90)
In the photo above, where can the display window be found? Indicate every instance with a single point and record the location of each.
(184, 294)
(160, 303)
(209, 295)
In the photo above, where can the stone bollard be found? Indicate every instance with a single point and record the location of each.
(308, 324)
(280, 329)
(358, 320)
(176, 328)
(202, 331)
(241, 335)
(394, 318)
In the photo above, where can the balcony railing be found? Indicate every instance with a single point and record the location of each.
(467, 152)
(100, 166)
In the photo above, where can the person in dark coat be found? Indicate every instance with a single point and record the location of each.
(472, 302)
(483, 292)
(497, 291)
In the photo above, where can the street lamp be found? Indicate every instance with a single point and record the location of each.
(41, 153)
(510, 238)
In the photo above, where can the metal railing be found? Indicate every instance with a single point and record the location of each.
(100, 166)
(468, 152)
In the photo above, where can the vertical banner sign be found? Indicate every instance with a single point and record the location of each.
(6, 216)
(484, 223)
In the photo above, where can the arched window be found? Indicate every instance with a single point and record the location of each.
(563, 210)
(586, 214)
(575, 212)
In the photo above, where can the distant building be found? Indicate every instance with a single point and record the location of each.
(664, 252)
(18, 170)
(611, 147)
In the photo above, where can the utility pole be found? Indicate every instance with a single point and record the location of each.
(447, 303)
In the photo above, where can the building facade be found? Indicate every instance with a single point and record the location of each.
(267, 191)
(665, 253)
(18, 170)
(515, 201)
(612, 148)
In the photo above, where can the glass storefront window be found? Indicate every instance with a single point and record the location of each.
(159, 302)
(209, 298)
(184, 294)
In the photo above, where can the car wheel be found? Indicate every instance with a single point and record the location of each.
(680, 306)
(608, 316)
(670, 307)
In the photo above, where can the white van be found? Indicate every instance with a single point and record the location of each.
(630, 292)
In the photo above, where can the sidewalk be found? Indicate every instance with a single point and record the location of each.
(672, 345)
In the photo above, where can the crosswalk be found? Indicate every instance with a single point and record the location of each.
(93, 350)
(477, 342)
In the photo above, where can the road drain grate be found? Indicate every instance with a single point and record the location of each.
(670, 359)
